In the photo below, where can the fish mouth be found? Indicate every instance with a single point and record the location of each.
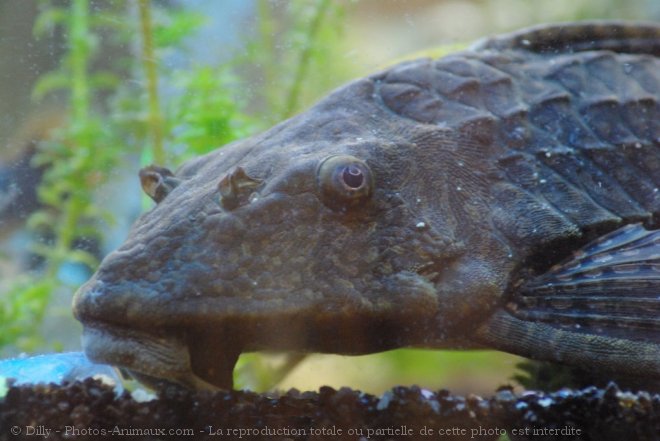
(156, 361)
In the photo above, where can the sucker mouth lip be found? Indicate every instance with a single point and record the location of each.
(161, 360)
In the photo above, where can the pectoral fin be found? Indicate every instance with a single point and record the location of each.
(599, 308)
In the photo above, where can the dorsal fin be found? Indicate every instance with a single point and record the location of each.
(617, 36)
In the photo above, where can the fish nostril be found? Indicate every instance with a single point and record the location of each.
(236, 187)
(157, 182)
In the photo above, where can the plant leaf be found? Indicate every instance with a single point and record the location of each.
(49, 82)
(47, 21)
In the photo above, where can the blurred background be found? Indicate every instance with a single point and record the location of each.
(92, 90)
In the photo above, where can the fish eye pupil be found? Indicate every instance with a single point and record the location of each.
(344, 182)
(353, 176)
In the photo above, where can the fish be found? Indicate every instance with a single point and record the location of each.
(502, 197)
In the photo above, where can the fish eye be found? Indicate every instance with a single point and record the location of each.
(344, 181)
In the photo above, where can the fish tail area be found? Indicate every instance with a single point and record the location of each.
(616, 36)
(597, 353)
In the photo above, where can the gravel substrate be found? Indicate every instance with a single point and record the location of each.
(90, 410)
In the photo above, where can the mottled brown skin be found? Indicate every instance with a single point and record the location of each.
(468, 176)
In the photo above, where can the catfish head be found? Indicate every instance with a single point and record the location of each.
(340, 230)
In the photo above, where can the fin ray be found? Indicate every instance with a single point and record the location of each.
(609, 287)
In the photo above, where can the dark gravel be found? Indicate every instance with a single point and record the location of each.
(90, 410)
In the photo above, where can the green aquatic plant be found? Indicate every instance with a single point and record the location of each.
(206, 115)
(306, 53)
(76, 159)
(110, 122)
(292, 56)
(155, 119)
(23, 306)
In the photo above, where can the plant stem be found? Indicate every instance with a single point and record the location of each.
(265, 54)
(66, 233)
(150, 68)
(305, 58)
(79, 41)
(72, 206)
